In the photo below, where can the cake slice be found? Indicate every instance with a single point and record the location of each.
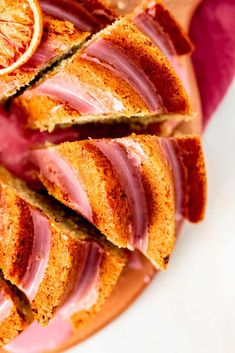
(15, 312)
(132, 189)
(119, 75)
(52, 256)
(67, 24)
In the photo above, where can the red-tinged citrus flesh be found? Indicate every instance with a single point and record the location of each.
(21, 26)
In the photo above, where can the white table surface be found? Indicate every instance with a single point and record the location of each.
(191, 307)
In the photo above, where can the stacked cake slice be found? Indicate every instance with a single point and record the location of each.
(54, 258)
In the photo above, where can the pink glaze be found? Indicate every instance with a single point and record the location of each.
(39, 257)
(37, 339)
(169, 147)
(14, 145)
(134, 261)
(56, 170)
(113, 57)
(39, 59)
(79, 96)
(45, 52)
(86, 21)
(126, 160)
(6, 306)
(16, 142)
(85, 292)
(67, 12)
(150, 27)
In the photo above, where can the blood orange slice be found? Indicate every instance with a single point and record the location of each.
(21, 26)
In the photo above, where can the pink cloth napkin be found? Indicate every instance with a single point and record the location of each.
(213, 33)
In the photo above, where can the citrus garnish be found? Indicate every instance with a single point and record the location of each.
(21, 26)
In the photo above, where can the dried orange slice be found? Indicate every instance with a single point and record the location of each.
(21, 26)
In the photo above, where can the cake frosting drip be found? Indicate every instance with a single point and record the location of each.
(46, 51)
(39, 257)
(85, 99)
(126, 159)
(105, 53)
(86, 21)
(169, 148)
(146, 22)
(6, 306)
(85, 292)
(41, 57)
(57, 171)
(37, 339)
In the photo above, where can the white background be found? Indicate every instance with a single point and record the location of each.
(191, 307)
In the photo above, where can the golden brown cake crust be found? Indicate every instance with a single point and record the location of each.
(17, 230)
(195, 176)
(65, 258)
(62, 31)
(104, 12)
(104, 188)
(110, 269)
(159, 189)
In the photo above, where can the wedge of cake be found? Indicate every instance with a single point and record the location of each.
(52, 256)
(132, 189)
(15, 312)
(67, 24)
(119, 75)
